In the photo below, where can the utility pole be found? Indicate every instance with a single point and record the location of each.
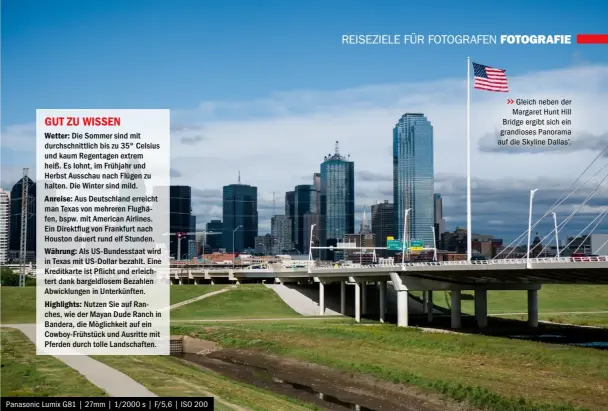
(24, 217)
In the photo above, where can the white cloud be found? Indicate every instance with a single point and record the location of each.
(276, 140)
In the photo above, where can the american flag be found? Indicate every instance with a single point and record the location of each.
(490, 78)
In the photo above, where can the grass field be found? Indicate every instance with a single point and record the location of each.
(489, 373)
(551, 299)
(245, 301)
(181, 293)
(166, 376)
(18, 305)
(26, 375)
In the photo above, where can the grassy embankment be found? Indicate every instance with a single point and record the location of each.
(181, 293)
(24, 374)
(166, 376)
(18, 304)
(589, 303)
(490, 373)
(247, 301)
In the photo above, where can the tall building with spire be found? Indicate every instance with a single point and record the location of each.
(413, 177)
(337, 196)
(364, 228)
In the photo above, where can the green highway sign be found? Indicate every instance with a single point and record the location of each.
(416, 243)
(393, 245)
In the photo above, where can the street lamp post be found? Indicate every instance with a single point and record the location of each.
(179, 246)
(556, 238)
(312, 227)
(407, 212)
(530, 223)
(233, 251)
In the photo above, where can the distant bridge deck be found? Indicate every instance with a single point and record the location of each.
(563, 270)
(555, 270)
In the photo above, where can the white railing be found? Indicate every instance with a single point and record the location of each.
(317, 266)
(544, 260)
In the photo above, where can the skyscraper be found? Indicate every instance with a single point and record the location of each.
(383, 224)
(316, 181)
(305, 202)
(290, 211)
(5, 224)
(15, 225)
(240, 216)
(413, 177)
(438, 217)
(337, 196)
(180, 210)
(280, 228)
(214, 241)
(309, 220)
(192, 245)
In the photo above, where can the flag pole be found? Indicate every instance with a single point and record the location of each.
(469, 233)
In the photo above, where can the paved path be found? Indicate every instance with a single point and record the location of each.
(113, 382)
(201, 297)
(300, 299)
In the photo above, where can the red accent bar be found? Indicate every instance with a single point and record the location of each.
(592, 39)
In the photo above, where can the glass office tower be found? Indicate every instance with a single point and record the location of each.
(305, 202)
(337, 196)
(180, 211)
(240, 210)
(413, 177)
(15, 224)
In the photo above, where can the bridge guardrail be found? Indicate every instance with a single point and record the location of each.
(542, 260)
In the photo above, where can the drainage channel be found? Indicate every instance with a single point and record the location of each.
(321, 396)
(265, 378)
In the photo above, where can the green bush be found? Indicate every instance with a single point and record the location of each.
(8, 278)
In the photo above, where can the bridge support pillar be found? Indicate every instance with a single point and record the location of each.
(357, 302)
(455, 303)
(321, 298)
(424, 305)
(481, 308)
(364, 297)
(533, 308)
(402, 300)
(343, 297)
(382, 299)
(402, 308)
(429, 306)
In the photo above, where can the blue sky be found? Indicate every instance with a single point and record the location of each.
(248, 58)
(174, 54)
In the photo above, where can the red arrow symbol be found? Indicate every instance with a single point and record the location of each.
(510, 101)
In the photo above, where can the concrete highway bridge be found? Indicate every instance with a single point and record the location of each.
(454, 276)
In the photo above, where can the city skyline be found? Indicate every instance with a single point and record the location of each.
(222, 121)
